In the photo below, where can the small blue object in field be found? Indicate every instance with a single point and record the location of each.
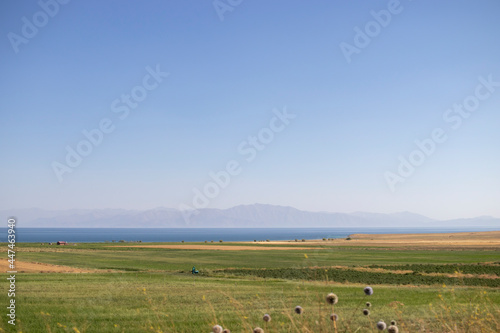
(194, 270)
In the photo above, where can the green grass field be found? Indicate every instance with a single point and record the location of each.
(153, 290)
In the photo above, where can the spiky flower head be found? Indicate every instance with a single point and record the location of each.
(331, 298)
(366, 312)
(368, 304)
(381, 325)
(393, 322)
(217, 329)
(226, 331)
(267, 318)
(334, 317)
(298, 310)
(393, 329)
(258, 330)
(368, 291)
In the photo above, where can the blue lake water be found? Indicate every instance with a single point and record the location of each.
(88, 235)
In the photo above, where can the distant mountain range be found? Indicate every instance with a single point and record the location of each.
(243, 216)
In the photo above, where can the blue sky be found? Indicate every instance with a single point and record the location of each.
(225, 77)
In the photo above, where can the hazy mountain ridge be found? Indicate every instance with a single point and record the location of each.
(243, 216)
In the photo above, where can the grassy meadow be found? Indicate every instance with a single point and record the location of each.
(135, 289)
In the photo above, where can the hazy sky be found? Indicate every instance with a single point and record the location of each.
(315, 105)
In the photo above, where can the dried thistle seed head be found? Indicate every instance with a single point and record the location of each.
(331, 298)
(267, 318)
(258, 330)
(381, 325)
(368, 291)
(299, 310)
(366, 312)
(368, 304)
(217, 329)
(393, 322)
(334, 317)
(393, 329)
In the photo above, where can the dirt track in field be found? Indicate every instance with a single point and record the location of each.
(217, 247)
(461, 239)
(35, 267)
(464, 240)
(486, 240)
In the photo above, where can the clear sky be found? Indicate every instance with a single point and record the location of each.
(360, 82)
